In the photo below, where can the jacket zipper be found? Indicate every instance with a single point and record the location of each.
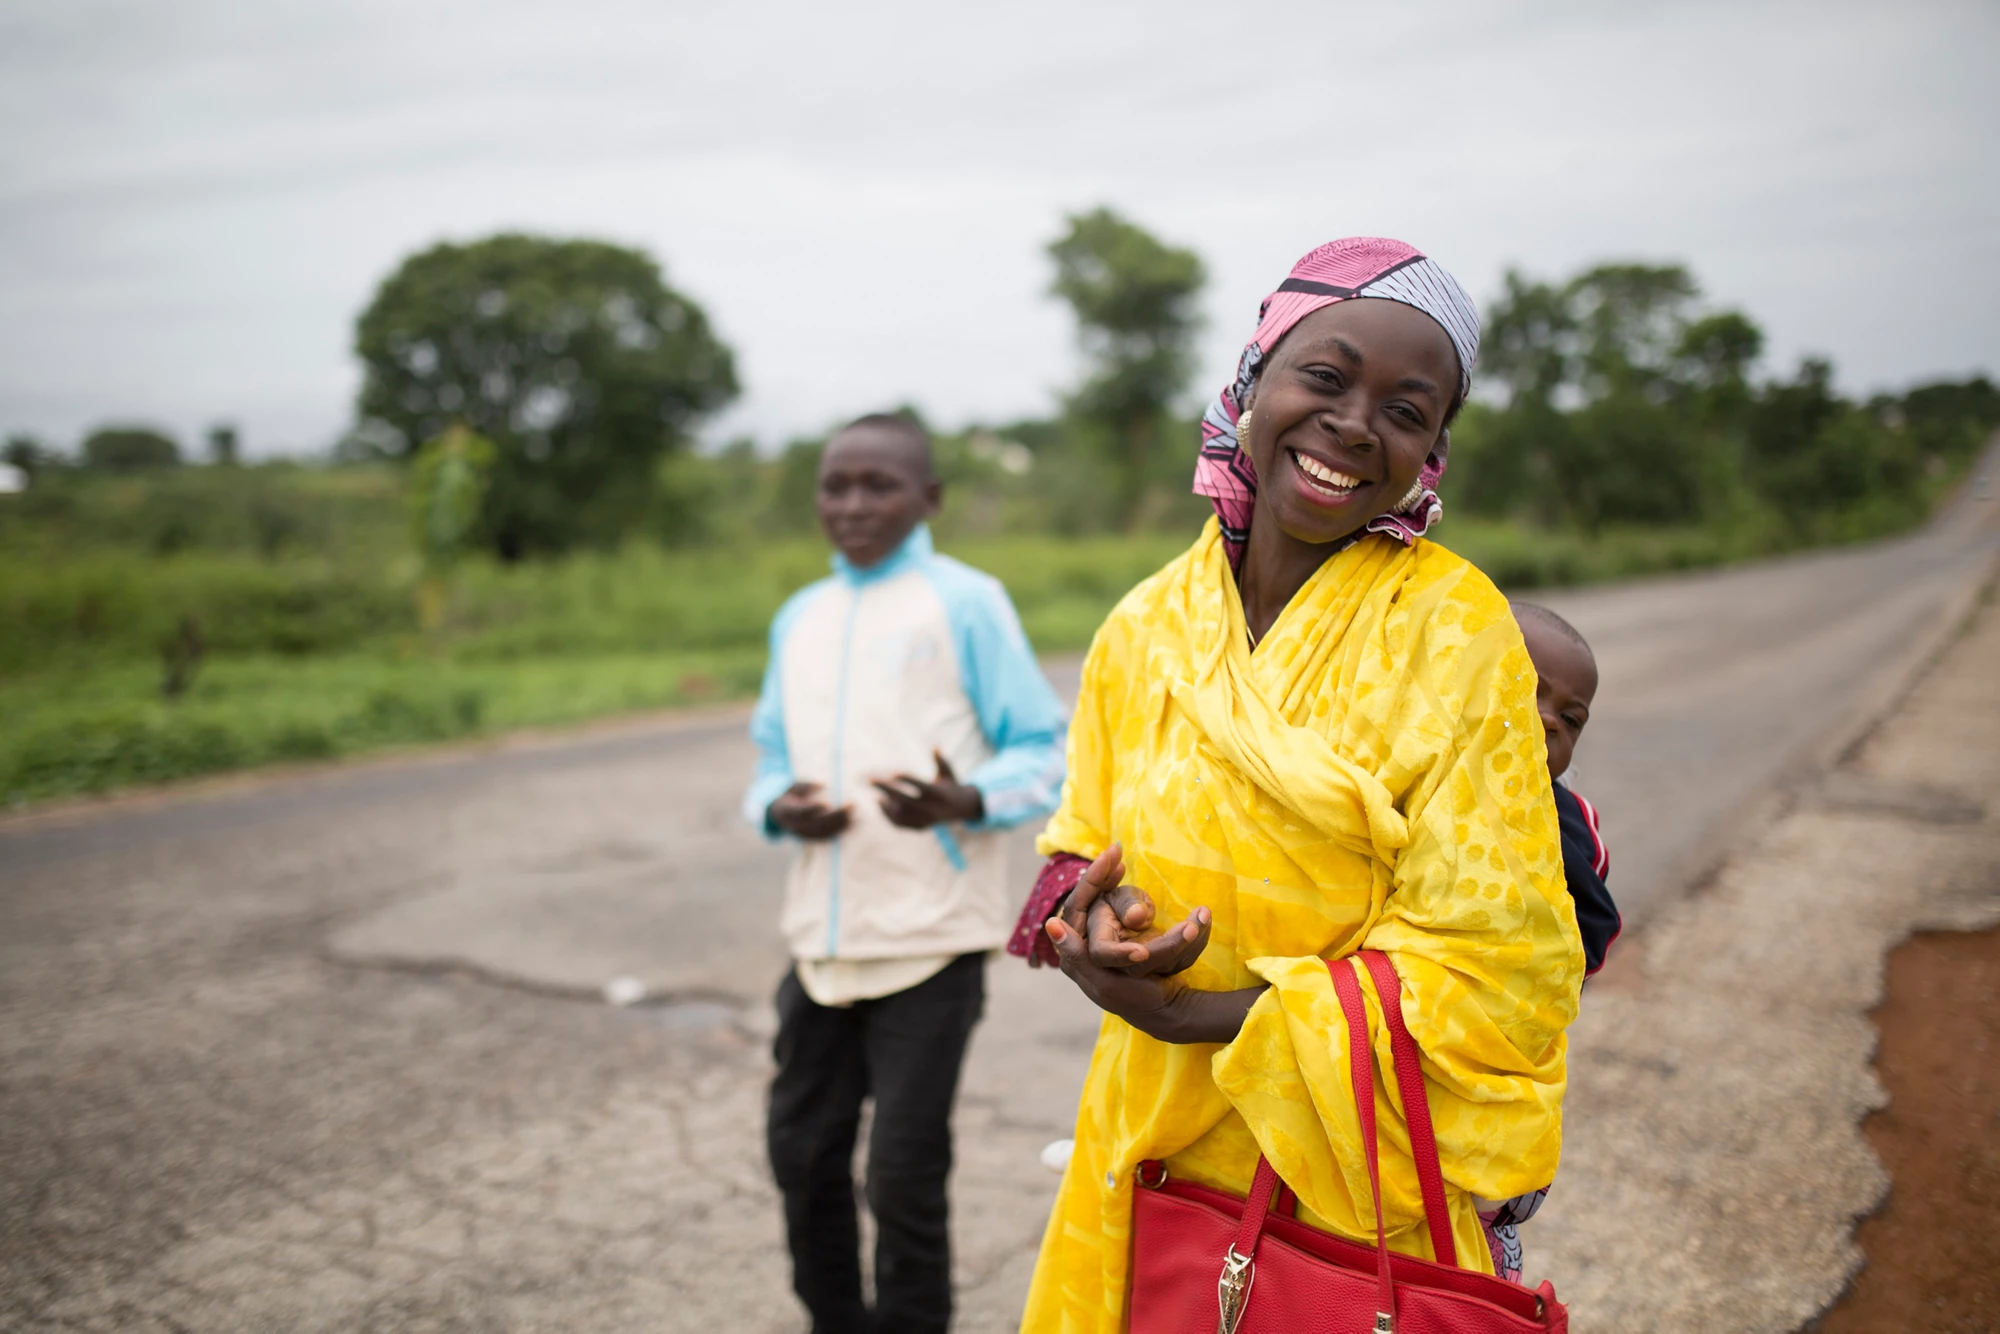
(839, 737)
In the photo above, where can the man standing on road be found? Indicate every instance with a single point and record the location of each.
(886, 681)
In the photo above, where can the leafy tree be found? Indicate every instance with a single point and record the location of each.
(1135, 301)
(1629, 320)
(1717, 351)
(1951, 420)
(1787, 419)
(1529, 343)
(223, 445)
(1500, 460)
(1813, 452)
(1975, 400)
(1631, 459)
(1623, 402)
(1626, 402)
(129, 449)
(574, 358)
(1711, 375)
(30, 455)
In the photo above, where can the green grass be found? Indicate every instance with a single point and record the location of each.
(1519, 558)
(311, 658)
(314, 654)
(78, 732)
(118, 605)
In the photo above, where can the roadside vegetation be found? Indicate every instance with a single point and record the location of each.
(517, 533)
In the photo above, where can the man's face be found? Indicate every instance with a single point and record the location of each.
(873, 489)
(1566, 682)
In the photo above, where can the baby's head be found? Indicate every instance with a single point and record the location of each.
(1566, 676)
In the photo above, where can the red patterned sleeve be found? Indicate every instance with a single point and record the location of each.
(1059, 876)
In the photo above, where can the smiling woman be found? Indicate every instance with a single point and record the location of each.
(1313, 735)
(1343, 427)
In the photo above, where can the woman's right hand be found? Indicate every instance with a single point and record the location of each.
(1131, 979)
(1114, 922)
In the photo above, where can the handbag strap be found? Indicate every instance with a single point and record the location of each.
(1362, 1067)
(1256, 1206)
(1416, 1114)
(1416, 1105)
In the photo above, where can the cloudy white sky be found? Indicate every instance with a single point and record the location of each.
(197, 197)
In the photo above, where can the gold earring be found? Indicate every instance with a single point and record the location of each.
(1410, 497)
(1243, 431)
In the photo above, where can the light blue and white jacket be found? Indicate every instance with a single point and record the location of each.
(870, 671)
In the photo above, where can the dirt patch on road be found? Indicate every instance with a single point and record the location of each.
(1930, 1264)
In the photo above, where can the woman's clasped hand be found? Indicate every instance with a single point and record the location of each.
(1106, 944)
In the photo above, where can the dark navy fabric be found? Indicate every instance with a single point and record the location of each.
(1583, 852)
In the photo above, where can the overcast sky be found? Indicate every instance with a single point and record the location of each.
(197, 197)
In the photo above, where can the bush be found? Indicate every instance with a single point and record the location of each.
(269, 511)
(117, 606)
(129, 449)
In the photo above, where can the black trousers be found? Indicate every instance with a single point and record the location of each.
(904, 1051)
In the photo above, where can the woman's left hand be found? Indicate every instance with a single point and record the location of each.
(1160, 1006)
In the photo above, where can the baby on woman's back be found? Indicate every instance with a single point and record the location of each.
(1566, 683)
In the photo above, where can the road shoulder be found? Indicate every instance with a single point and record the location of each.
(1715, 1164)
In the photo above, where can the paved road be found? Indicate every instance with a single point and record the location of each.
(1714, 1163)
(311, 1054)
(1721, 689)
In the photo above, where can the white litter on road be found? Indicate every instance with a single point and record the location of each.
(624, 991)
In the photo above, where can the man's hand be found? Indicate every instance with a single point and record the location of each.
(915, 803)
(800, 813)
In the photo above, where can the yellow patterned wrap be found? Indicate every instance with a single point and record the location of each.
(1371, 776)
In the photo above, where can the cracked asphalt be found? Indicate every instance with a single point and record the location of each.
(323, 1052)
(212, 1117)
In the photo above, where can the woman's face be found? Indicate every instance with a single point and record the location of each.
(1344, 414)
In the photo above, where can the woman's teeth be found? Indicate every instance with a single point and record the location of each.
(1323, 478)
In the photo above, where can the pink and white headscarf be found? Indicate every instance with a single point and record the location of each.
(1360, 266)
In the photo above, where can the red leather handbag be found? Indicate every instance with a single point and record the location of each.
(1205, 1262)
